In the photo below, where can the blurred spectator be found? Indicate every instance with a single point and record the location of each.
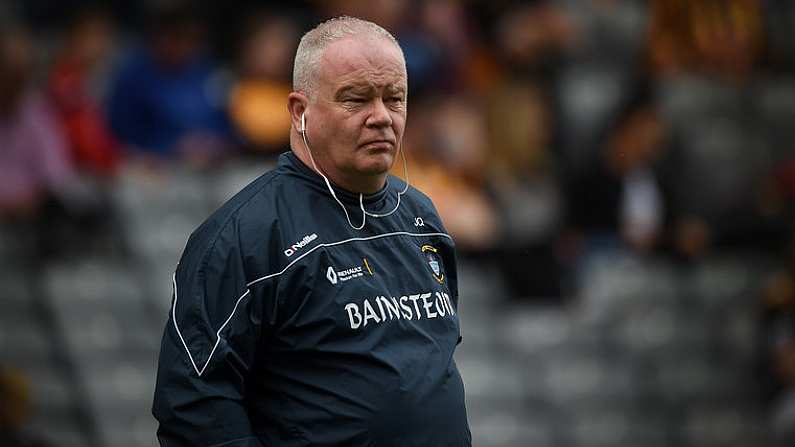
(519, 123)
(619, 200)
(15, 410)
(705, 56)
(599, 60)
(522, 178)
(533, 37)
(72, 86)
(706, 36)
(447, 149)
(257, 100)
(438, 42)
(606, 32)
(513, 79)
(34, 162)
(722, 167)
(168, 99)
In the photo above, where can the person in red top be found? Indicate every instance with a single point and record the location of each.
(86, 44)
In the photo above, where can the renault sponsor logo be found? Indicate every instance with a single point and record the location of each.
(343, 275)
(300, 244)
(331, 275)
(334, 276)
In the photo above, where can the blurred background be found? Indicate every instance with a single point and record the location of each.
(619, 176)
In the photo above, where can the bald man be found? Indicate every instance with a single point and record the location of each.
(319, 306)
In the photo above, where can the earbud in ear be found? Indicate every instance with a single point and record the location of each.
(303, 122)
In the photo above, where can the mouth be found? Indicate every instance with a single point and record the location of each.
(378, 145)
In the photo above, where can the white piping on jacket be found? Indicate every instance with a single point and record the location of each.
(199, 372)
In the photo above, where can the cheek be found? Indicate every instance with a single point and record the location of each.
(399, 124)
(342, 139)
(398, 116)
(339, 133)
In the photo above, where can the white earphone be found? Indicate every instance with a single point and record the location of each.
(365, 213)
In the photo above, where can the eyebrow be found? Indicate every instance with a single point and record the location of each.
(363, 88)
(355, 89)
(396, 88)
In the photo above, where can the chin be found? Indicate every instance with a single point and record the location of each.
(377, 164)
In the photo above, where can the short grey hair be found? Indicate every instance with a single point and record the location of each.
(314, 42)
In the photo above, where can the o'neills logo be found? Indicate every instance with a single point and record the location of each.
(300, 244)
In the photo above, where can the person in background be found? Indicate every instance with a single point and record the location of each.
(167, 99)
(72, 86)
(521, 176)
(619, 201)
(448, 150)
(724, 39)
(256, 101)
(34, 161)
(522, 165)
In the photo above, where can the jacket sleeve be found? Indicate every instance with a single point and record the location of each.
(208, 349)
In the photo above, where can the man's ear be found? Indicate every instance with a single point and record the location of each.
(296, 105)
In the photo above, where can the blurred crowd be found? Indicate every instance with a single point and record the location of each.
(547, 132)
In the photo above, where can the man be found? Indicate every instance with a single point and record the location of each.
(318, 307)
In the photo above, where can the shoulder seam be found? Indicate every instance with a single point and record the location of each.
(203, 265)
(223, 226)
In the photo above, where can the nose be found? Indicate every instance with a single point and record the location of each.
(379, 115)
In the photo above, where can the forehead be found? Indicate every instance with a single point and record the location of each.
(362, 60)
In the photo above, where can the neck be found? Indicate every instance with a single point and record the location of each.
(362, 184)
(367, 185)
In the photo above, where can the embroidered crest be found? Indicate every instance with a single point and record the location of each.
(432, 257)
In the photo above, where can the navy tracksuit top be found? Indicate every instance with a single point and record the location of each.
(290, 328)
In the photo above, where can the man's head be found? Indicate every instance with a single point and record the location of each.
(350, 84)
